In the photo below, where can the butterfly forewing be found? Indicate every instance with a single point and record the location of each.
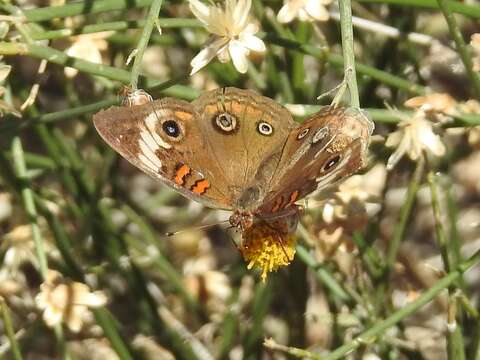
(163, 139)
(245, 134)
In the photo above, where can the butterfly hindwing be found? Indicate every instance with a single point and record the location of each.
(326, 148)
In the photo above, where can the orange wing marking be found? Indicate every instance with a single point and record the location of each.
(278, 204)
(293, 197)
(181, 173)
(200, 187)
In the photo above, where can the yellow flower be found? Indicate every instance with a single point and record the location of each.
(305, 10)
(233, 34)
(414, 136)
(267, 247)
(67, 301)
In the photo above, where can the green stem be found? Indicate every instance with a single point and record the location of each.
(380, 328)
(399, 233)
(107, 323)
(337, 60)
(114, 26)
(8, 327)
(405, 212)
(455, 6)
(439, 231)
(29, 204)
(143, 42)
(462, 49)
(455, 344)
(345, 8)
(81, 7)
(323, 275)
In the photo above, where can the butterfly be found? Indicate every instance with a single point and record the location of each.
(236, 150)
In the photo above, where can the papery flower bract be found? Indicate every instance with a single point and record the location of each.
(475, 43)
(19, 249)
(4, 106)
(415, 135)
(267, 247)
(87, 47)
(305, 10)
(67, 301)
(233, 34)
(436, 102)
(346, 211)
(472, 107)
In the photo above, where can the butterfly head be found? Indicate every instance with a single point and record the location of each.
(242, 220)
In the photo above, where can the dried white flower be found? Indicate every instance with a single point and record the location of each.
(475, 43)
(87, 47)
(305, 10)
(415, 135)
(67, 301)
(233, 34)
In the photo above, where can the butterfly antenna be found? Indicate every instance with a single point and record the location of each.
(173, 233)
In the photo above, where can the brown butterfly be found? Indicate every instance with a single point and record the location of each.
(236, 150)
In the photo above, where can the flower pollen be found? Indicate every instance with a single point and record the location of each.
(267, 249)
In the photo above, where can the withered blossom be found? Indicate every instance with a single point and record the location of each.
(87, 47)
(305, 10)
(414, 136)
(475, 43)
(436, 103)
(66, 301)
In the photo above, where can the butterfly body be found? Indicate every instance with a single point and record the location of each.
(236, 150)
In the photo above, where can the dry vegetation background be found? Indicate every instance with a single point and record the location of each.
(385, 265)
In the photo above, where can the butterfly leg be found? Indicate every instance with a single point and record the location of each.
(280, 235)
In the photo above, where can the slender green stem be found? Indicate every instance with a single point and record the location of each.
(337, 60)
(455, 6)
(10, 331)
(107, 323)
(379, 328)
(294, 351)
(60, 58)
(454, 238)
(114, 26)
(322, 274)
(143, 42)
(29, 204)
(455, 342)
(370, 256)
(462, 49)
(405, 213)
(81, 7)
(399, 232)
(30, 209)
(345, 8)
(439, 230)
(160, 261)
